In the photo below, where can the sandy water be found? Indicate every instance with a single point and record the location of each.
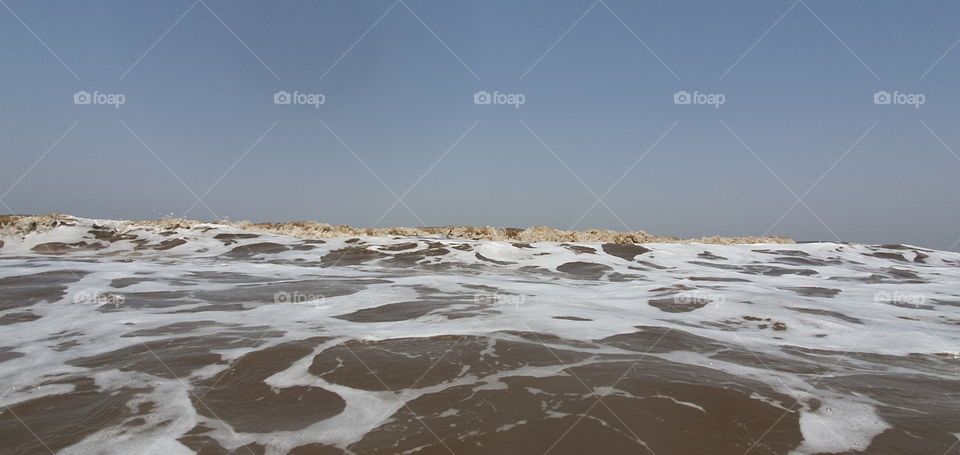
(216, 340)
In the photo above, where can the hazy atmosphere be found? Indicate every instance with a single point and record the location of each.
(398, 80)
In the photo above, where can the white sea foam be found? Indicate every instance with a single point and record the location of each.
(820, 298)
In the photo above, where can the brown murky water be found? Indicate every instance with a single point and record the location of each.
(218, 341)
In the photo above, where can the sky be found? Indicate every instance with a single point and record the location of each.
(588, 124)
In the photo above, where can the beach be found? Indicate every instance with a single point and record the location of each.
(177, 336)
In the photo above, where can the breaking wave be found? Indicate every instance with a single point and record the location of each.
(19, 225)
(176, 337)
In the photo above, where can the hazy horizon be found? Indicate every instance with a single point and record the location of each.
(829, 121)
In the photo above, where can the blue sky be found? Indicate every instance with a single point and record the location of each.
(399, 119)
